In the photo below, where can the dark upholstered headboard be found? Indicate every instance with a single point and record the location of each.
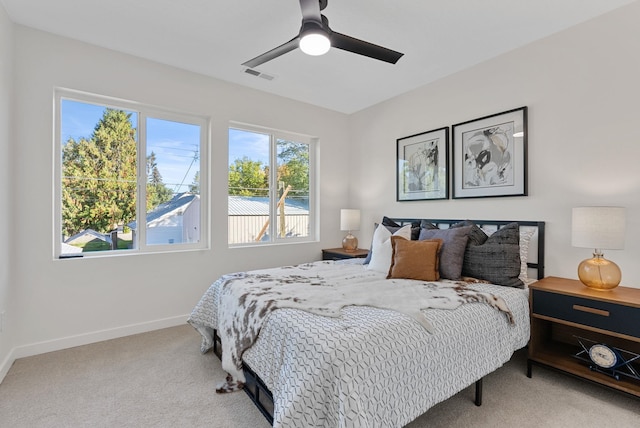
(536, 246)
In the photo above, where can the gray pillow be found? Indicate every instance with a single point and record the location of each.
(368, 258)
(424, 224)
(476, 235)
(498, 259)
(454, 243)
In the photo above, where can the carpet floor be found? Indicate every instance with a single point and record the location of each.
(160, 379)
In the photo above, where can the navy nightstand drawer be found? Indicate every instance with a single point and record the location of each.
(593, 313)
(562, 308)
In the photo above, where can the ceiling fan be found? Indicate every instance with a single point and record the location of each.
(315, 38)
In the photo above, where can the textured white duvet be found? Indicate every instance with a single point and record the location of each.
(373, 367)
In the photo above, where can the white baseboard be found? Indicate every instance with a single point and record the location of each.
(6, 365)
(85, 339)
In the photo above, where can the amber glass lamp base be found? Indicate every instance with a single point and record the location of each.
(350, 243)
(599, 273)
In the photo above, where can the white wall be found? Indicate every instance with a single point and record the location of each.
(582, 89)
(6, 186)
(67, 302)
(580, 86)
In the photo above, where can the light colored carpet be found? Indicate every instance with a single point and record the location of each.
(160, 379)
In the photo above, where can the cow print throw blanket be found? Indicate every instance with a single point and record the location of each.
(247, 298)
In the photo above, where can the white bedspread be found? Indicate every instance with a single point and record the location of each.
(373, 367)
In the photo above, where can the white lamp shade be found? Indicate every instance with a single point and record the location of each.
(598, 227)
(349, 219)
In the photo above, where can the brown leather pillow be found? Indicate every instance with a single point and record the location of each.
(415, 259)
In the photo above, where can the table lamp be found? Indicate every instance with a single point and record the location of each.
(598, 228)
(349, 220)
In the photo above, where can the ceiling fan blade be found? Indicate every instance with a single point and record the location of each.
(310, 10)
(273, 53)
(348, 43)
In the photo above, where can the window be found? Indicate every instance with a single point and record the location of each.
(271, 182)
(128, 177)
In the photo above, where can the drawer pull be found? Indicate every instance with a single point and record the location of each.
(591, 310)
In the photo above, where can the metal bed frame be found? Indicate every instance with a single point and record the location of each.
(259, 393)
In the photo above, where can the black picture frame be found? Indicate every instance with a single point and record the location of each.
(489, 156)
(422, 166)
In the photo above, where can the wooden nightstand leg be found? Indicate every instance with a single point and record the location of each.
(529, 367)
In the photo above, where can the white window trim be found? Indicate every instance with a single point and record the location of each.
(275, 134)
(144, 111)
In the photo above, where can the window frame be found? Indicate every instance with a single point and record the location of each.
(274, 136)
(143, 111)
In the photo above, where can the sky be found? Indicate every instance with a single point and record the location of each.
(174, 144)
(243, 142)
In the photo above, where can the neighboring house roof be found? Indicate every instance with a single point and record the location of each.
(238, 206)
(259, 205)
(176, 205)
(70, 249)
(87, 235)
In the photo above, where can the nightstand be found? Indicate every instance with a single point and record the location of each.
(340, 254)
(567, 318)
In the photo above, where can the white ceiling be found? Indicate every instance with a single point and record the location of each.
(214, 37)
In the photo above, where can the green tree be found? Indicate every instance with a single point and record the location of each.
(157, 191)
(248, 178)
(194, 187)
(99, 176)
(293, 167)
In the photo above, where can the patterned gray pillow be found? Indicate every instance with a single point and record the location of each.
(454, 243)
(476, 235)
(498, 259)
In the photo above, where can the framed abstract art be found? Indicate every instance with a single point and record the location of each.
(489, 156)
(422, 166)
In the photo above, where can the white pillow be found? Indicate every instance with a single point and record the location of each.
(525, 239)
(381, 247)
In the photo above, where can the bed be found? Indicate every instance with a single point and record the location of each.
(371, 365)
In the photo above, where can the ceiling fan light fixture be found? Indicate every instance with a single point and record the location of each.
(316, 38)
(315, 43)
